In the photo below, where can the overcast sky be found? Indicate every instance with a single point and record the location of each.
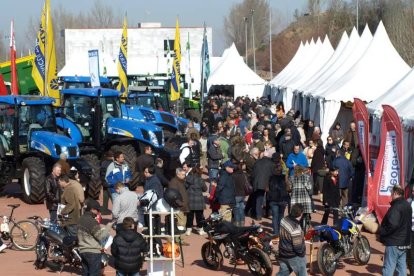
(190, 12)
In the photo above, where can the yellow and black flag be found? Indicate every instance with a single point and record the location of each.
(44, 70)
(175, 76)
(122, 60)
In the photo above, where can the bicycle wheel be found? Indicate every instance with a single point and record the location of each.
(24, 235)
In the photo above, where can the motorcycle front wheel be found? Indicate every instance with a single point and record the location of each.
(212, 256)
(362, 250)
(261, 263)
(326, 261)
(41, 255)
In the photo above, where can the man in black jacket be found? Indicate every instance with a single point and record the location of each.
(263, 169)
(215, 156)
(143, 161)
(127, 249)
(109, 158)
(395, 233)
(53, 191)
(226, 191)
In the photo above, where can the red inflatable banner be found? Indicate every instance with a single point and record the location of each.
(389, 170)
(361, 118)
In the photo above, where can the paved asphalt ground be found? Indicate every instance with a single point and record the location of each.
(14, 262)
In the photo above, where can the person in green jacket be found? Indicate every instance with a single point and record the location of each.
(90, 239)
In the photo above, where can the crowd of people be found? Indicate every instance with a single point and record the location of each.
(258, 160)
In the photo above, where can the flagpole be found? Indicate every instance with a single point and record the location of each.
(45, 85)
(202, 73)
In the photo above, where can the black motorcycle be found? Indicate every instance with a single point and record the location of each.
(237, 246)
(56, 246)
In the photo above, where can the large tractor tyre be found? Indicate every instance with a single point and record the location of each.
(130, 154)
(93, 188)
(33, 181)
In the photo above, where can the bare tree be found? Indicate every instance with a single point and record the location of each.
(241, 14)
(100, 16)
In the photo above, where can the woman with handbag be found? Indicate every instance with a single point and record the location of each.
(243, 188)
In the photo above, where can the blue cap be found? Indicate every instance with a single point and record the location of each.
(230, 164)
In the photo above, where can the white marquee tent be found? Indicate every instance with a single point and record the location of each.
(233, 71)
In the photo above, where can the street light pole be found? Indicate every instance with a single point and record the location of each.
(245, 36)
(357, 15)
(270, 42)
(253, 46)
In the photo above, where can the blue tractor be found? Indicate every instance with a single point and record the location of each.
(29, 143)
(148, 104)
(92, 117)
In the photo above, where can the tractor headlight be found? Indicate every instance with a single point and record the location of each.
(149, 116)
(153, 138)
(65, 150)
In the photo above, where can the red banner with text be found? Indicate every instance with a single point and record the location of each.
(389, 169)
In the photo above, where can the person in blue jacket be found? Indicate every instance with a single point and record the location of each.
(297, 157)
(346, 172)
(117, 171)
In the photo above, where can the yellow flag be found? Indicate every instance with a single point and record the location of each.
(175, 76)
(44, 71)
(122, 60)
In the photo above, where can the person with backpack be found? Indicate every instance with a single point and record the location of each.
(277, 195)
(187, 153)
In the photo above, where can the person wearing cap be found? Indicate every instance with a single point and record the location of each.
(286, 144)
(225, 191)
(75, 180)
(395, 233)
(90, 238)
(331, 195)
(215, 156)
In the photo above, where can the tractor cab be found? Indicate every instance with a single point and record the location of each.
(30, 144)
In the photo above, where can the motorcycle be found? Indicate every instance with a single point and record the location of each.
(343, 241)
(237, 246)
(264, 241)
(55, 245)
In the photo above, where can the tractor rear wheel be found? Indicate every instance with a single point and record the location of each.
(94, 184)
(33, 181)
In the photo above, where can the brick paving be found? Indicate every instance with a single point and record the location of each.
(15, 262)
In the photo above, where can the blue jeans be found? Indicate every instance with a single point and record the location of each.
(119, 273)
(259, 203)
(394, 260)
(296, 265)
(239, 209)
(278, 211)
(91, 264)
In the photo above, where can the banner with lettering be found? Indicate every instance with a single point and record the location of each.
(361, 118)
(389, 169)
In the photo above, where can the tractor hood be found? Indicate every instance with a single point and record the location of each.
(145, 132)
(54, 144)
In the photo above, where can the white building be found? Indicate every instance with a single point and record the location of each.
(147, 49)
